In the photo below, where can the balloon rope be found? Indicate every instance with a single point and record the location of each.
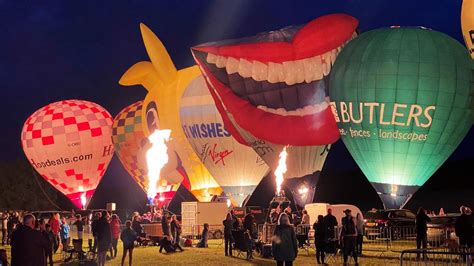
(44, 192)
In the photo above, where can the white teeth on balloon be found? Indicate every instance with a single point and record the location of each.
(232, 65)
(318, 67)
(211, 58)
(307, 110)
(299, 71)
(221, 61)
(275, 73)
(309, 70)
(245, 68)
(290, 72)
(259, 71)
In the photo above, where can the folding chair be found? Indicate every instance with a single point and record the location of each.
(239, 244)
(332, 250)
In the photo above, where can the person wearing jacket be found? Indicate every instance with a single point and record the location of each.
(65, 238)
(104, 237)
(421, 230)
(55, 228)
(320, 239)
(115, 233)
(175, 229)
(360, 233)
(4, 219)
(284, 244)
(228, 239)
(28, 245)
(128, 237)
(463, 229)
(349, 236)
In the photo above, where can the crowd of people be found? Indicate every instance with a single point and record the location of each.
(35, 241)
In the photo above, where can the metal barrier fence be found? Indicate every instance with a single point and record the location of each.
(436, 257)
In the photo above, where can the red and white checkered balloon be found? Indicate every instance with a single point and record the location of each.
(69, 144)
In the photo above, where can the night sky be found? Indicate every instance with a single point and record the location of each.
(79, 49)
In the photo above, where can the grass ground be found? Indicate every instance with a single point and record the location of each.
(214, 255)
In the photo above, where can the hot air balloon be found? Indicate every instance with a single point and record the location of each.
(130, 145)
(236, 167)
(467, 24)
(69, 144)
(403, 102)
(271, 90)
(165, 85)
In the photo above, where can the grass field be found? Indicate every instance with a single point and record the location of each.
(214, 255)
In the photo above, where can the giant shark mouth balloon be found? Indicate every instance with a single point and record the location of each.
(275, 84)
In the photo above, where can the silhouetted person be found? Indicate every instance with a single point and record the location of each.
(104, 237)
(28, 244)
(284, 244)
(128, 237)
(320, 239)
(330, 222)
(349, 236)
(463, 229)
(228, 239)
(421, 230)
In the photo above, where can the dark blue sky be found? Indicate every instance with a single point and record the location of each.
(79, 49)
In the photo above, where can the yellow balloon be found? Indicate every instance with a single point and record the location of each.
(165, 85)
(467, 25)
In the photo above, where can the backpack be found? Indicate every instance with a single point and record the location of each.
(348, 225)
(188, 243)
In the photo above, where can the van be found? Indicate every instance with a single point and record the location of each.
(315, 209)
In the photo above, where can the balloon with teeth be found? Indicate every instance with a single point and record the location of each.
(69, 145)
(236, 167)
(403, 102)
(131, 145)
(165, 85)
(272, 90)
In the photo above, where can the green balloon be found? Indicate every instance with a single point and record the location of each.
(403, 100)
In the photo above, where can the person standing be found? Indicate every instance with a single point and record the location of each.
(45, 230)
(28, 244)
(463, 227)
(288, 212)
(175, 229)
(228, 239)
(94, 222)
(421, 230)
(4, 228)
(79, 223)
(284, 244)
(165, 225)
(305, 218)
(115, 232)
(330, 222)
(349, 236)
(55, 228)
(360, 233)
(320, 239)
(103, 237)
(128, 237)
(65, 229)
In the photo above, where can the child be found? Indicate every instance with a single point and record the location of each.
(249, 245)
(203, 242)
(79, 225)
(128, 237)
(65, 233)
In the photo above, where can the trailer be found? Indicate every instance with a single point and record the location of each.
(315, 209)
(195, 214)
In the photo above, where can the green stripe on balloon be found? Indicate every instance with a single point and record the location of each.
(416, 84)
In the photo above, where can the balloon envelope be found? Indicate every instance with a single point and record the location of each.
(131, 145)
(236, 167)
(403, 102)
(271, 90)
(69, 144)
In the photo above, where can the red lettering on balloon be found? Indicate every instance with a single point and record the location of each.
(218, 156)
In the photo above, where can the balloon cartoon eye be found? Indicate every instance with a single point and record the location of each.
(152, 120)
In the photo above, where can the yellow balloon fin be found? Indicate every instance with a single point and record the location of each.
(467, 24)
(161, 60)
(142, 73)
